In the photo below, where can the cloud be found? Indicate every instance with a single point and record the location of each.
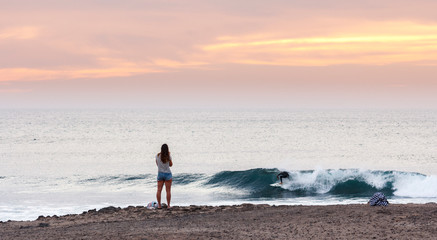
(168, 63)
(392, 42)
(19, 33)
(29, 74)
(107, 68)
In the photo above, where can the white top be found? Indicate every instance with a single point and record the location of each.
(163, 167)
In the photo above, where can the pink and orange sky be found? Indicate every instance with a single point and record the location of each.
(196, 53)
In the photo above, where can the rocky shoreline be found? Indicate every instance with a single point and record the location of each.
(246, 221)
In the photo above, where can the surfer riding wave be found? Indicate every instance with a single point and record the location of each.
(282, 175)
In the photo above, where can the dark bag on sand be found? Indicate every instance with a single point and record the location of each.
(378, 199)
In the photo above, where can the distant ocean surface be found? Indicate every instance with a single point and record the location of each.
(55, 162)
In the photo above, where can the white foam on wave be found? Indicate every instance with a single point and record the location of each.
(323, 180)
(376, 179)
(407, 185)
(309, 181)
(404, 184)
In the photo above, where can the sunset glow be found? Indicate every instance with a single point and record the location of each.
(212, 43)
(414, 44)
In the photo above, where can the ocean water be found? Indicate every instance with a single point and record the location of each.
(55, 162)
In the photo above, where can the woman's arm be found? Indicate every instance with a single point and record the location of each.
(170, 163)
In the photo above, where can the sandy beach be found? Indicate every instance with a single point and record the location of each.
(247, 221)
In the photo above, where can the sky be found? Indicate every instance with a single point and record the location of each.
(218, 53)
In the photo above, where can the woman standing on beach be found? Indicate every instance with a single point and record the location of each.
(164, 162)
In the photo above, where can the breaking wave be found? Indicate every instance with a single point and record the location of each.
(261, 183)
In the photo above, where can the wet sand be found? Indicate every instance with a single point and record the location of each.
(247, 221)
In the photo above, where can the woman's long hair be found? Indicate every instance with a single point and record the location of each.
(165, 155)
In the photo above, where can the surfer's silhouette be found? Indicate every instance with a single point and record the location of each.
(282, 175)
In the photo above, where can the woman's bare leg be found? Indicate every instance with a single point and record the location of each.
(168, 191)
(158, 192)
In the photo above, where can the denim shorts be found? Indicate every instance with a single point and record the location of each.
(162, 176)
